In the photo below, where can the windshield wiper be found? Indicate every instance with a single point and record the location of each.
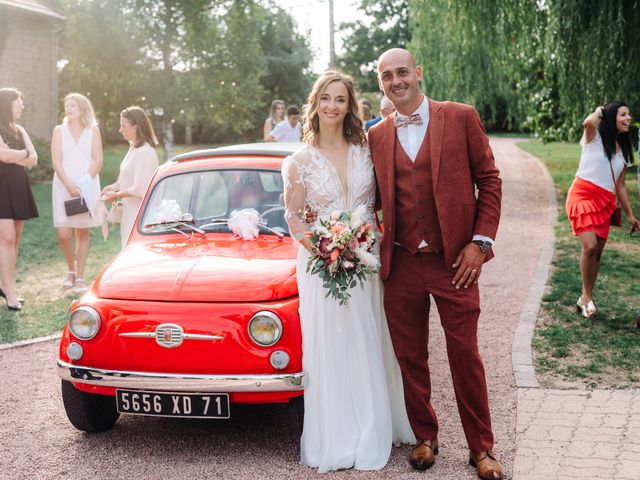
(185, 221)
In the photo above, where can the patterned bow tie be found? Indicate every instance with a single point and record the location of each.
(402, 121)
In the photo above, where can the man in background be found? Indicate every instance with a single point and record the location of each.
(386, 108)
(289, 129)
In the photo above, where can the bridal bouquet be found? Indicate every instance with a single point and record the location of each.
(342, 252)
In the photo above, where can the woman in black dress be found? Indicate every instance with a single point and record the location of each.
(16, 200)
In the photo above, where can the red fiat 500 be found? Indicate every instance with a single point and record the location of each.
(189, 319)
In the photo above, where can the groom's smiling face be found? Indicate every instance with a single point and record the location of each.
(399, 78)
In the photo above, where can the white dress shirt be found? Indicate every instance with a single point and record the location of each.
(411, 137)
(284, 132)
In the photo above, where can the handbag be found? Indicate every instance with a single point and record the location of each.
(75, 206)
(114, 215)
(616, 216)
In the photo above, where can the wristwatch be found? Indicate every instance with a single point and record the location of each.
(484, 245)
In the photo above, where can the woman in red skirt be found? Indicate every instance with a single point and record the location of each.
(591, 200)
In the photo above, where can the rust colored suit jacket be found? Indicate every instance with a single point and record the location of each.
(461, 163)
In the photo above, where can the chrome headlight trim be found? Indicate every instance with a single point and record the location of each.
(275, 322)
(92, 315)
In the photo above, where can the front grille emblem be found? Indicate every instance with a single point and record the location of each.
(169, 335)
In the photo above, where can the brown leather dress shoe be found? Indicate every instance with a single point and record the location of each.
(423, 454)
(486, 464)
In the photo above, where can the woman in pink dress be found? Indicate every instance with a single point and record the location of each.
(137, 167)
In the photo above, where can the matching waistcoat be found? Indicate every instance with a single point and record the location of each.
(416, 215)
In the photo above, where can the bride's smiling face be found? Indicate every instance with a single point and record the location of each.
(334, 104)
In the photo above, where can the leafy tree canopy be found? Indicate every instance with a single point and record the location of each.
(211, 67)
(387, 27)
(530, 65)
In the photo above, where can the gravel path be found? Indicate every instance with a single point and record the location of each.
(36, 440)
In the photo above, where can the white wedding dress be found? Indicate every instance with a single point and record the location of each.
(354, 401)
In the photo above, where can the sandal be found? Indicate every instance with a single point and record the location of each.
(4, 295)
(79, 286)
(586, 309)
(67, 283)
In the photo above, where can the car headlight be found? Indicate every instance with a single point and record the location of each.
(265, 328)
(84, 323)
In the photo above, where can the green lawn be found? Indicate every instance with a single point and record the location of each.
(41, 268)
(603, 351)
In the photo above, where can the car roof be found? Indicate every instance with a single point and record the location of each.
(250, 155)
(250, 149)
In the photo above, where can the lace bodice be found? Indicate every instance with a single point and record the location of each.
(311, 178)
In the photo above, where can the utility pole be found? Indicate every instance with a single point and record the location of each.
(332, 46)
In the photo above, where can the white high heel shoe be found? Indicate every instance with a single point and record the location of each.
(586, 309)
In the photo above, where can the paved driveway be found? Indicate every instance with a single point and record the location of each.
(36, 440)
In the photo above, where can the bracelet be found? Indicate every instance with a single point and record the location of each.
(27, 156)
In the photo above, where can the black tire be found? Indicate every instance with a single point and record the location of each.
(87, 411)
(297, 403)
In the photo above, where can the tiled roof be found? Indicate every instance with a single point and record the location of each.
(32, 6)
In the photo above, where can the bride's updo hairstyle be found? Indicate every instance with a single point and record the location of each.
(352, 128)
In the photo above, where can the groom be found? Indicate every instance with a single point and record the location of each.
(430, 158)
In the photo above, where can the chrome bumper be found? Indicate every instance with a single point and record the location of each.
(286, 382)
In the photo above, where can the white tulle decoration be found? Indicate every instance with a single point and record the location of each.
(168, 211)
(245, 223)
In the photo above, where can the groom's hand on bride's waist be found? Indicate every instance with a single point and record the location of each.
(310, 215)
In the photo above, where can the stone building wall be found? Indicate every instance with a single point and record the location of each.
(28, 56)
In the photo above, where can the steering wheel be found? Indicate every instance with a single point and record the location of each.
(272, 210)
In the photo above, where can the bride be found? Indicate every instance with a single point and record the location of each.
(354, 401)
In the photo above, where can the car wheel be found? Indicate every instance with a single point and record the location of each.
(87, 411)
(297, 404)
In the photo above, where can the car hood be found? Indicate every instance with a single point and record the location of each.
(218, 270)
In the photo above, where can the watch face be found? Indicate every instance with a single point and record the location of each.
(484, 245)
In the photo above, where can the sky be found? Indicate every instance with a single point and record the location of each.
(312, 17)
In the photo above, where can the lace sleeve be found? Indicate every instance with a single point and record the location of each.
(294, 198)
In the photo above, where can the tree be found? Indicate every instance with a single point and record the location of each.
(210, 66)
(365, 42)
(98, 48)
(288, 57)
(536, 65)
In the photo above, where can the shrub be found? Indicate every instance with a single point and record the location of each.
(43, 172)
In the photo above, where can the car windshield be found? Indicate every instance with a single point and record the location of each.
(206, 198)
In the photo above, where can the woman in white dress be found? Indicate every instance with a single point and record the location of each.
(354, 401)
(136, 169)
(76, 154)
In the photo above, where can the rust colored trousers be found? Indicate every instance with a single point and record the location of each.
(407, 304)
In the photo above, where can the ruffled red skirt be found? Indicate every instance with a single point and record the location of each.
(589, 208)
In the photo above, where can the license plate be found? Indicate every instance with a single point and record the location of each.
(171, 404)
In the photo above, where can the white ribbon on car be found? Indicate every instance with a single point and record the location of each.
(245, 223)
